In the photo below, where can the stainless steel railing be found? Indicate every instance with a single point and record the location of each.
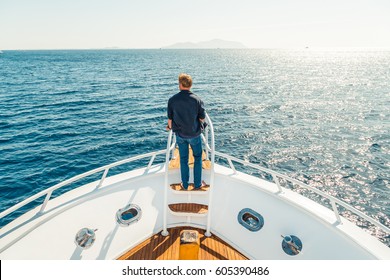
(334, 202)
(210, 147)
(48, 192)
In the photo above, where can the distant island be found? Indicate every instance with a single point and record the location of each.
(212, 44)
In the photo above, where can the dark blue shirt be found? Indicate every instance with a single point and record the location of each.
(185, 109)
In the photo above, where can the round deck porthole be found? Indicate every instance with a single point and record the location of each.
(291, 245)
(250, 219)
(128, 215)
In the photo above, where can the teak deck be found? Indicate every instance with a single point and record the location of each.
(160, 247)
(175, 161)
(178, 187)
(189, 208)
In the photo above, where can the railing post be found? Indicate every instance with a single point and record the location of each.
(336, 211)
(232, 166)
(212, 176)
(174, 141)
(207, 140)
(165, 206)
(103, 177)
(151, 162)
(47, 198)
(277, 182)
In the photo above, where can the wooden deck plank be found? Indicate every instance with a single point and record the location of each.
(160, 247)
(174, 163)
(189, 208)
(148, 253)
(177, 187)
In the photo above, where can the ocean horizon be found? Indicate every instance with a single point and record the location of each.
(301, 48)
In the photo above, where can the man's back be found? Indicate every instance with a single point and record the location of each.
(185, 109)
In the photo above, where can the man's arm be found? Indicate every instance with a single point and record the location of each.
(170, 115)
(169, 126)
(201, 111)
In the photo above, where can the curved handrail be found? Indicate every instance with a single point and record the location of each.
(48, 192)
(170, 147)
(212, 173)
(165, 210)
(333, 200)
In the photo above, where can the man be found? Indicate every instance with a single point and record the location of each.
(185, 115)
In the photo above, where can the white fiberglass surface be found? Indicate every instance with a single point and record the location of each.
(52, 237)
(321, 239)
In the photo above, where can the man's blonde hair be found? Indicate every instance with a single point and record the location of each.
(185, 80)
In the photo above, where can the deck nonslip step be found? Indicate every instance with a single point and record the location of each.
(188, 208)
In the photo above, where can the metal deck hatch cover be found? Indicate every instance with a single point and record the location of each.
(129, 214)
(250, 219)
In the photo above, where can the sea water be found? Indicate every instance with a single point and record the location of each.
(319, 116)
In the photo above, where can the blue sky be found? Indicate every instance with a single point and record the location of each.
(83, 24)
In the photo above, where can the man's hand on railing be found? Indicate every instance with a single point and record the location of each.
(203, 125)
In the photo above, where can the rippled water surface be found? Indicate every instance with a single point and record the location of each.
(320, 116)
